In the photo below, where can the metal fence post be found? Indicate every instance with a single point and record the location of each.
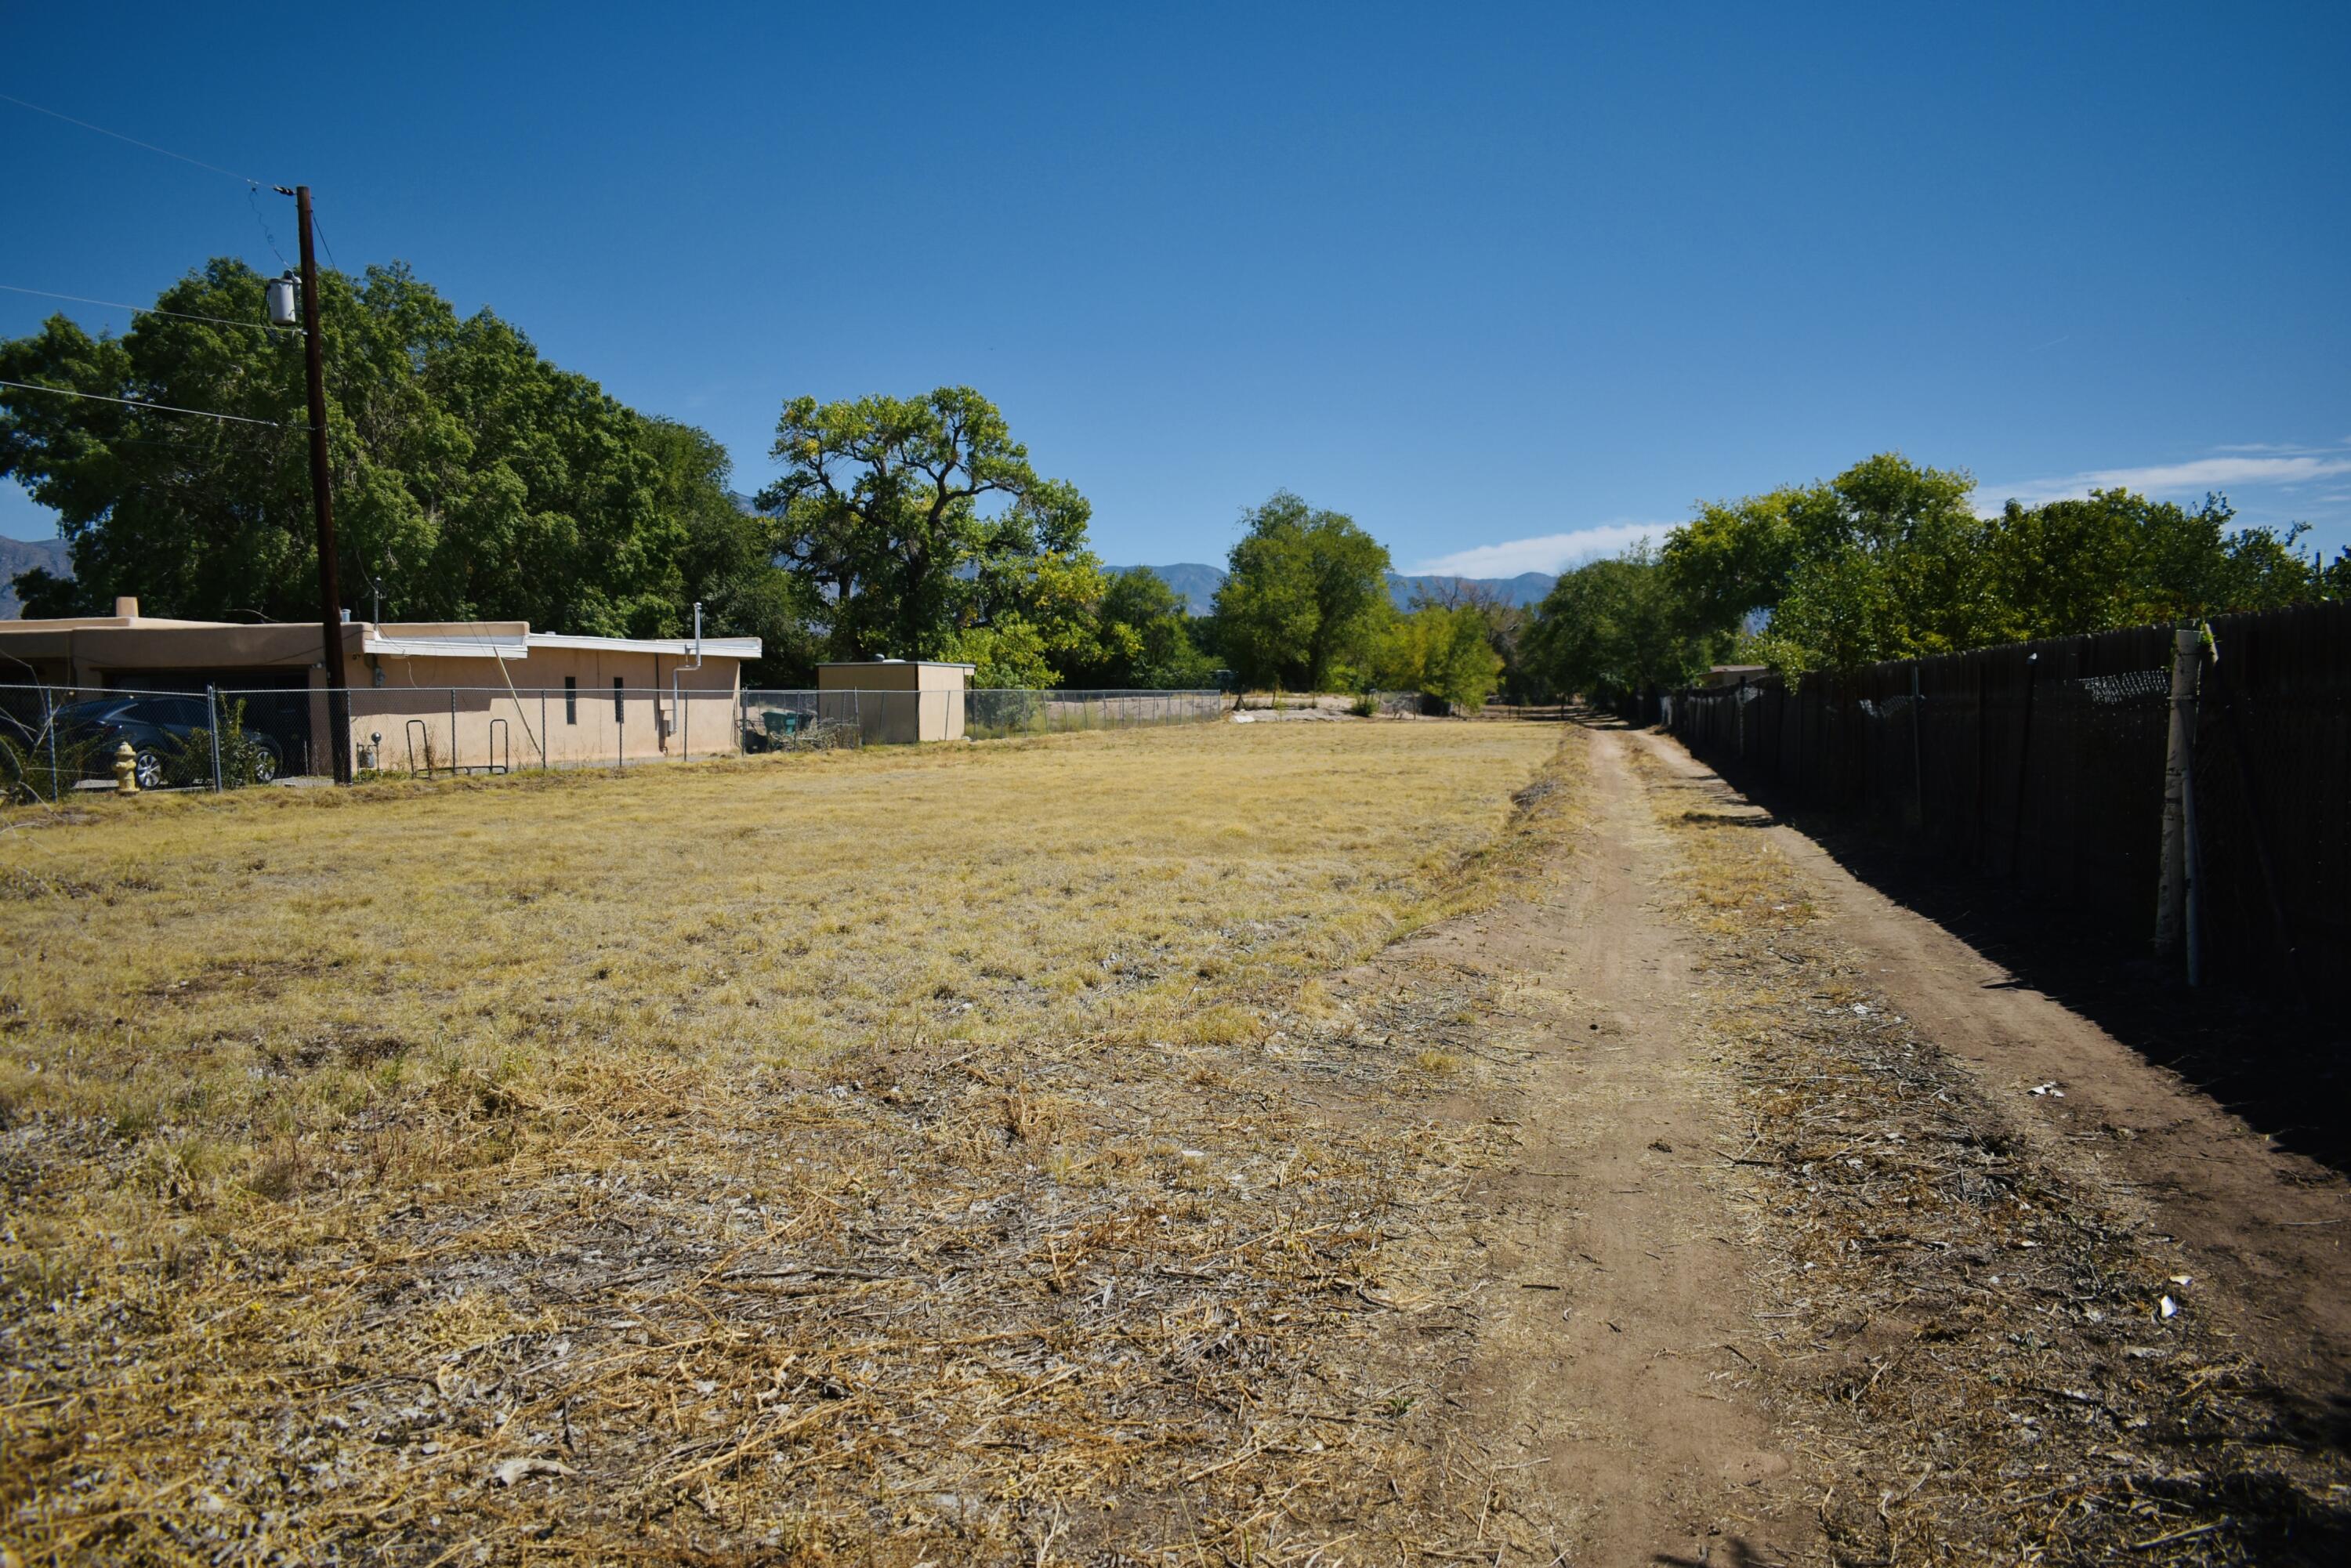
(546, 735)
(50, 725)
(212, 717)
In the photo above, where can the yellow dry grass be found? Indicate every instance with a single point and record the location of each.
(859, 1156)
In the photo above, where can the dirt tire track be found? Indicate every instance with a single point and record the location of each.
(1604, 1402)
(1620, 1403)
(2269, 1231)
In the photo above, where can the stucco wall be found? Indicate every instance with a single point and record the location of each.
(411, 710)
(897, 703)
(511, 710)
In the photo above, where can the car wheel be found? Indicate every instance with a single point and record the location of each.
(265, 764)
(147, 767)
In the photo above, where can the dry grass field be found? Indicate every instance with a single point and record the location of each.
(956, 1155)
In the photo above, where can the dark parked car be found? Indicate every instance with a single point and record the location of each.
(154, 726)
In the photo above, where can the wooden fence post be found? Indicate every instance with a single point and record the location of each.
(2175, 896)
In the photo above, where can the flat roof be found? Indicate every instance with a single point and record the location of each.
(133, 623)
(412, 640)
(870, 663)
(713, 647)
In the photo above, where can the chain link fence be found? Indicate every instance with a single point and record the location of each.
(990, 713)
(2042, 765)
(56, 739)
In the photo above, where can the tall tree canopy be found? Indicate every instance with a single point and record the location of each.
(1615, 627)
(923, 527)
(1305, 592)
(1145, 637)
(472, 477)
(2116, 558)
(1445, 651)
(1891, 560)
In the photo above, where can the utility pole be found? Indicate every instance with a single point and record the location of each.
(330, 597)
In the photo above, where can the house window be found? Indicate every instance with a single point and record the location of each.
(620, 714)
(572, 699)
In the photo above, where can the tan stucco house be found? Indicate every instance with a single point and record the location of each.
(476, 692)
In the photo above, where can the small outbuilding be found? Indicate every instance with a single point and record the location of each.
(895, 701)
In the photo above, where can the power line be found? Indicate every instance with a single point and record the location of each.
(252, 185)
(142, 309)
(158, 407)
(321, 230)
(149, 146)
(253, 200)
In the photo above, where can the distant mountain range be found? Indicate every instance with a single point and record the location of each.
(1196, 585)
(1526, 589)
(24, 555)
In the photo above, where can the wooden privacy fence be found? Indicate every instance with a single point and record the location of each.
(2042, 764)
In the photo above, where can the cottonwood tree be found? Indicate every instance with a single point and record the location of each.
(2115, 558)
(1613, 628)
(472, 477)
(930, 536)
(1893, 560)
(1445, 651)
(1146, 636)
(1305, 592)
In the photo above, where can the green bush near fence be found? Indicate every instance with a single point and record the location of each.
(188, 764)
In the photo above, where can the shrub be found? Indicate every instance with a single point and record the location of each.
(243, 758)
(26, 769)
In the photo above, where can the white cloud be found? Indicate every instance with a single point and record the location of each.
(1549, 553)
(2172, 479)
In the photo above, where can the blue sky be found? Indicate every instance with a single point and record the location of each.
(1506, 283)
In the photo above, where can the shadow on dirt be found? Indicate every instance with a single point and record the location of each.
(1735, 1554)
(2256, 1051)
(2282, 1065)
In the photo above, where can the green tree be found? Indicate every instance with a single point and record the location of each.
(1889, 560)
(2115, 558)
(1732, 559)
(472, 477)
(2332, 580)
(1030, 618)
(1444, 652)
(727, 561)
(1886, 561)
(1613, 628)
(928, 535)
(1305, 592)
(1146, 636)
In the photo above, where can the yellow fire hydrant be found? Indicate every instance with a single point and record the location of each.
(125, 771)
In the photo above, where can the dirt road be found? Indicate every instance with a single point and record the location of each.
(1822, 1243)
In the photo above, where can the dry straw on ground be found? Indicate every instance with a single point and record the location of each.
(948, 1157)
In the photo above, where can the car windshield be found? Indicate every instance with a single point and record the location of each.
(166, 710)
(91, 711)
